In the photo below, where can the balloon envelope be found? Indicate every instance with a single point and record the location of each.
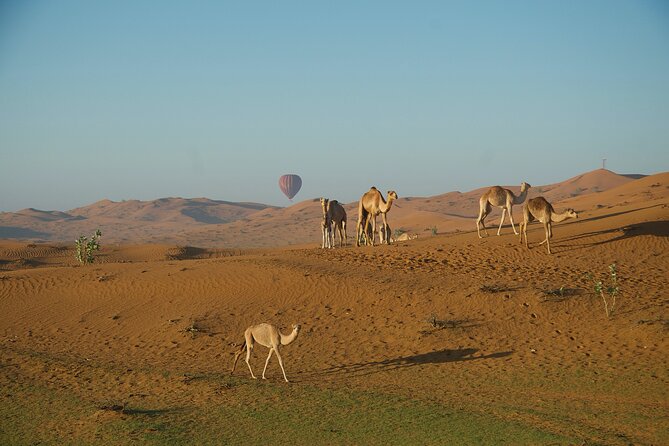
(290, 185)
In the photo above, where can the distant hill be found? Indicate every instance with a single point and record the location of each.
(215, 223)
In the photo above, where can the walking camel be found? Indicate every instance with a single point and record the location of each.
(540, 209)
(501, 198)
(370, 205)
(269, 336)
(337, 215)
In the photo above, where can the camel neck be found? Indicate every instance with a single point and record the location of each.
(557, 218)
(385, 205)
(520, 198)
(287, 339)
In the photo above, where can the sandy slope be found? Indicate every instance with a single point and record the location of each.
(450, 318)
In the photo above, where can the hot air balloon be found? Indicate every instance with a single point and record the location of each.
(290, 185)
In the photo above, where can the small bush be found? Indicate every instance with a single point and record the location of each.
(609, 292)
(86, 247)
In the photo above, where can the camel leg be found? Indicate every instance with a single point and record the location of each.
(281, 364)
(549, 232)
(386, 230)
(365, 232)
(343, 225)
(546, 239)
(511, 218)
(357, 234)
(249, 348)
(373, 230)
(359, 229)
(368, 232)
(548, 236)
(271, 350)
(481, 222)
(237, 355)
(331, 234)
(501, 222)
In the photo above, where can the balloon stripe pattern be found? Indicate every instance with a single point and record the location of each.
(290, 185)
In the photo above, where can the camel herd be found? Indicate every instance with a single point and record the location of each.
(372, 204)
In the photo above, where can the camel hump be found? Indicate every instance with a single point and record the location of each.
(373, 188)
(334, 202)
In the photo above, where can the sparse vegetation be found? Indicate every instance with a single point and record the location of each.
(397, 232)
(563, 291)
(609, 292)
(433, 229)
(560, 294)
(86, 247)
(497, 288)
(194, 328)
(436, 323)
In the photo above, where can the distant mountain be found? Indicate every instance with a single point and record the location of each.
(173, 210)
(36, 214)
(125, 221)
(211, 223)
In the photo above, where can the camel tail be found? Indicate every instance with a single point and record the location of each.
(237, 355)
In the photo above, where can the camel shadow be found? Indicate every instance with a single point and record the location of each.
(435, 357)
(613, 214)
(654, 228)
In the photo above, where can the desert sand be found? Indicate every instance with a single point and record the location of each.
(479, 326)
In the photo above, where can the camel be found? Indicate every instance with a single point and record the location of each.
(337, 216)
(540, 209)
(269, 336)
(370, 205)
(405, 236)
(366, 234)
(501, 198)
(385, 234)
(326, 229)
(326, 225)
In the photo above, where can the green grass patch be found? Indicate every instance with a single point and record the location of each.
(252, 412)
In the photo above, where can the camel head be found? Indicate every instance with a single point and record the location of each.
(296, 328)
(571, 213)
(324, 203)
(392, 195)
(524, 186)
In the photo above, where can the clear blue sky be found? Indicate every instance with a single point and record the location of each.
(143, 100)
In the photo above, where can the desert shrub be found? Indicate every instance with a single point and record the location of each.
(434, 230)
(86, 247)
(608, 292)
(398, 231)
